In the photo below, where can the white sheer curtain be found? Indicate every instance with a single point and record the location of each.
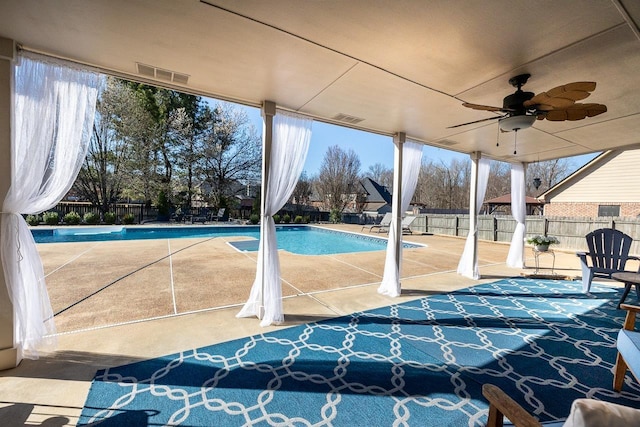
(411, 161)
(291, 138)
(515, 258)
(468, 265)
(54, 107)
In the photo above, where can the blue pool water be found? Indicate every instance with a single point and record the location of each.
(303, 240)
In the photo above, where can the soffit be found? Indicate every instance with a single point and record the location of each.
(402, 66)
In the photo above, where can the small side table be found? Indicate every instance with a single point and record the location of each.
(536, 256)
(629, 279)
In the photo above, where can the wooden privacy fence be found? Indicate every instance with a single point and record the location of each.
(570, 231)
(120, 209)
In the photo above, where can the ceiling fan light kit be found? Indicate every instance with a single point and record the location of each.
(512, 123)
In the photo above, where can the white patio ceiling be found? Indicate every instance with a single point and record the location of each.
(400, 66)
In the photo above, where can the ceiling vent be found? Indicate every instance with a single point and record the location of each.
(446, 142)
(160, 74)
(347, 118)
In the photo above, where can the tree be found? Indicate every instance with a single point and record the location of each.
(303, 190)
(380, 174)
(444, 186)
(549, 172)
(338, 178)
(119, 117)
(499, 182)
(149, 142)
(231, 151)
(163, 155)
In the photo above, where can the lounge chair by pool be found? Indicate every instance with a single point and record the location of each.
(384, 223)
(406, 224)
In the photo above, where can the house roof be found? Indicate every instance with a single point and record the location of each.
(376, 193)
(506, 200)
(384, 67)
(374, 207)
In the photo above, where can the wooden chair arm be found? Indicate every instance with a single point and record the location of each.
(585, 257)
(501, 405)
(630, 320)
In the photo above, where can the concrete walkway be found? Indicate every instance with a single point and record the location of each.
(119, 302)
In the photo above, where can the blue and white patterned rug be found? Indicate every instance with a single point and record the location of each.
(417, 363)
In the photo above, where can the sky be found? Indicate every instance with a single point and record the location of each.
(371, 148)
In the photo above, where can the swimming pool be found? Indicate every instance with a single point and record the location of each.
(304, 240)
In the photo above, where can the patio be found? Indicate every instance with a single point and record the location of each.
(110, 326)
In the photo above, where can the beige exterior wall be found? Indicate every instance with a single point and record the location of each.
(614, 182)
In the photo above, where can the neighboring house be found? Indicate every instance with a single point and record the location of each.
(369, 198)
(502, 206)
(606, 186)
(316, 201)
(377, 199)
(245, 205)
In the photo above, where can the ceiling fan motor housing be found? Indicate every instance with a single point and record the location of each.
(515, 100)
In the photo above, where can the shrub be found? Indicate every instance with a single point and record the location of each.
(51, 218)
(286, 219)
(335, 216)
(299, 219)
(542, 240)
(72, 218)
(307, 219)
(162, 204)
(128, 218)
(276, 218)
(33, 220)
(109, 218)
(91, 218)
(254, 218)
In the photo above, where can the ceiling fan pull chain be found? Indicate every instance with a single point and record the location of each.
(498, 136)
(515, 142)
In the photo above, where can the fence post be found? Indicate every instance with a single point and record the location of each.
(457, 226)
(546, 226)
(495, 229)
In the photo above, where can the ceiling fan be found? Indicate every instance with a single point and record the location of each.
(521, 109)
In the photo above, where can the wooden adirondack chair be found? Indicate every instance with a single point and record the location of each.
(608, 254)
(584, 412)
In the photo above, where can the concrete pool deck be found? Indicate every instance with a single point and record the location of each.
(120, 302)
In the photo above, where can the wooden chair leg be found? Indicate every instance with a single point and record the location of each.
(627, 288)
(501, 405)
(619, 372)
(495, 418)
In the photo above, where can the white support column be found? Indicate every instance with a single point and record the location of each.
(8, 353)
(396, 201)
(473, 205)
(524, 258)
(268, 111)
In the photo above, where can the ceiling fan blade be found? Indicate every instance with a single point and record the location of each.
(483, 107)
(475, 121)
(572, 87)
(561, 96)
(576, 112)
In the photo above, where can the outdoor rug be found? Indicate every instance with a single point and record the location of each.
(419, 363)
